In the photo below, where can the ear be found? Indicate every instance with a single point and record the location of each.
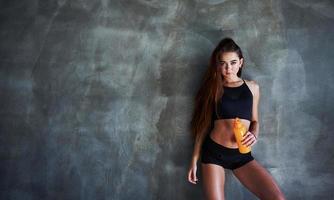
(241, 62)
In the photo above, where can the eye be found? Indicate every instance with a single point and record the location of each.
(222, 63)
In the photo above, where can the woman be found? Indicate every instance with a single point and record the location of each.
(223, 96)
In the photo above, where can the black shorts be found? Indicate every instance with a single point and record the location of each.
(228, 158)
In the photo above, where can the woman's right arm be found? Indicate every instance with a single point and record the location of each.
(197, 147)
(192, 177)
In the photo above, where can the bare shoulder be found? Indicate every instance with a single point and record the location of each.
(253, 86)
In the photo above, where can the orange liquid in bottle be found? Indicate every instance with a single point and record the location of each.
(239, 130)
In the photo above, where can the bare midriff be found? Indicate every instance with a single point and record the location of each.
(223, 134)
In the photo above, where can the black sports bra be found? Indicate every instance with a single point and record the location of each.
(235, 102)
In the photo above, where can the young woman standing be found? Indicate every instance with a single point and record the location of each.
(223, 96)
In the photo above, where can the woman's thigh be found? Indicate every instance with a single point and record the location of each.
(213, 177)
(258, 180)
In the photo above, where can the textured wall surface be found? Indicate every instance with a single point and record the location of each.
(96, 95)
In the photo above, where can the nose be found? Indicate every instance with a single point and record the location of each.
(228, 68)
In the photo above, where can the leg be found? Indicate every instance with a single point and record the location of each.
(213, 181)
(259, 181)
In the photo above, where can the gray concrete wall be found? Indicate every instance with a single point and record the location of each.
(96, 96)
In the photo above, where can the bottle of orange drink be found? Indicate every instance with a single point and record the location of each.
(239, 130)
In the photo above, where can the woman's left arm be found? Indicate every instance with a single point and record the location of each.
(252, 134)
(254, 126)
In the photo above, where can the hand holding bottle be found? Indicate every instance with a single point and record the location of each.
(249, 139)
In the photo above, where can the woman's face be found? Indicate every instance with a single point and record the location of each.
(229, 63)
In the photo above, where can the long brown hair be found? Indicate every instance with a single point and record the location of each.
(211, 89)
